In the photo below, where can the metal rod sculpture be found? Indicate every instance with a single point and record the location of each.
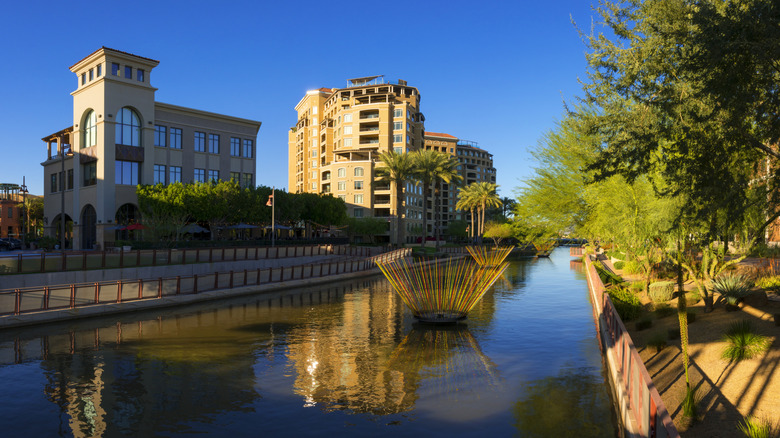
(485, 257)
(441, 293)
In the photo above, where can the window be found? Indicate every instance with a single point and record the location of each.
(89, 174)
(347, 130)
(347, 118)
(83, 78)
(358, 199)
(175, 138)
(126, 173)
(200, 175)
(314, 153)
(200, 141)
(160, 135)
(398, 112)
(342, 185)
(397, 126)
(342, 172)
(53, 185)
(10, 214)
(174, 174)
(247, 180)
(235, 176)
(70, 179)
(139, 74)
(100, 70)
(214, 175)
(159, 174)
(398, 150)
(357, 212)
(358, 171)
(128, 128)
(397, 138)
(115, 69)
(128, 72)
(213, 143)
(235, 147)
(347, 142)
(358, 185)
(249, 147)
(314, 186)
(343, 197)
(91, 74)
(90, 130)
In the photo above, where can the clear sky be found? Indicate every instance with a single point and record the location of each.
(492, 72)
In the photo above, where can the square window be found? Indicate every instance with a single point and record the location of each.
(247, 180)
(174, 174)
(175, 138)
(115, 69)
(159, 174)
(358, 212)
(358, 199)
(213, 143)
(249, 148)
(398, 138)
(235, 176)
(160, 135)
(200, 175)
(128, 72)
(398, 112)
(397, 126)
(347, 118)
(342, 186)
(139, 74)
(235, 147)
(342, 172)
(200, 142)
(214, 175)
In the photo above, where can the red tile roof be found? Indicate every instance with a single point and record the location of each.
(439, 134)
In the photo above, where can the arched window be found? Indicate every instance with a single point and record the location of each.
(90, 130)
(128, 128)
(358, 171)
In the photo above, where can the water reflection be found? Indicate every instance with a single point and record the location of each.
(572, 403)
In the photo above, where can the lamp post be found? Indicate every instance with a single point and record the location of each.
(23, 190)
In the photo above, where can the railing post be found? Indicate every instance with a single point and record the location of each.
(320, 269)
(257, 281)
(195, 284)
(211, 254)
(234, 253)
(270, 274)
(231, 279)
(19, 268)
(119, 291)
(17, 301)
(216, 280)
(245, 277)
(140, 287)
(97, 293)
(281, 273)
(159, 287)
(46, 298)
(178, 284)
(43, 262)
(72, 296)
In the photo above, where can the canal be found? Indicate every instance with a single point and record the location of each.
(345, 359)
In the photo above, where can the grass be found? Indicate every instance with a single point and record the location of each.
(743, 342)
(755, 428)
(690, 404)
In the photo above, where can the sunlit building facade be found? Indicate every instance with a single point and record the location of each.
(121, 137)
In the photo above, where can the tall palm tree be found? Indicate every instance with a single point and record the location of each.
(398, 169)
(427, 163)
(487, 197)
(447, 173)
(467, 200)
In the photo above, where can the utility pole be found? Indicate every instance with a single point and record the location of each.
(23, 190)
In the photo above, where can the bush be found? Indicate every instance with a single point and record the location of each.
(662, 310)
(755, 428)
(744, 342)
(627, 305)
(733, 287)
(619, 264)
(47, 243)
(658, 341)
(771, 283)
(632, 267)
(637, 286)
(693, 297)
(607, 277)
(661, 291)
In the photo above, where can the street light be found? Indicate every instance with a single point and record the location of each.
(23, 190)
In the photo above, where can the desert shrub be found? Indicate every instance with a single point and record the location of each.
(693, 297)
(665, 269)
(637, 286)
(619, 264)
(661, 291)
(771, 283)
(657, 341)
(755, 428)
(662, 310)
(632, 267)
(743, 342)
(733, 287)
(643, 324)
(627, 305)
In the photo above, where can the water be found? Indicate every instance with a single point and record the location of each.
(345, 359)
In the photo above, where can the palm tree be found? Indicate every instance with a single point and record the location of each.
(397, 170)
(468, 201)
(486, 195)
(448, 173)
(427, 163)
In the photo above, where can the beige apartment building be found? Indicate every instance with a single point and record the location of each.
(121, 137)
(334, 146)
(476, 165)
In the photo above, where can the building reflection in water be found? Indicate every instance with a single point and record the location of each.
(352, 348)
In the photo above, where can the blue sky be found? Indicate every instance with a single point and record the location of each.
(492, 72)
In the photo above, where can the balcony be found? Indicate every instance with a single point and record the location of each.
(382, 200)
(366, 115)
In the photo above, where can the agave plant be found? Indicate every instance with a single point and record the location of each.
(744, 342)
(733, 287)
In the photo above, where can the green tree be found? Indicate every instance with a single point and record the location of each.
(498, 232)
(396, 169)
(366, 226)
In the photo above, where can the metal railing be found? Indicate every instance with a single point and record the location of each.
(71, 296)
(634, 385)
(84, 260)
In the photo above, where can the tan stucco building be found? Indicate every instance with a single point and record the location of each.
(335, 144)
(121, 137)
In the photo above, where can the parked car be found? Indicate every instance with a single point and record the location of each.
(11, 243)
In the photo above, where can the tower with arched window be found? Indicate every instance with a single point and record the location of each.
(120, 138)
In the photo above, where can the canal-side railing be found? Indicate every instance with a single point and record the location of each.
(71, 296)
(33, 263)
(576, 251)
(636, 392)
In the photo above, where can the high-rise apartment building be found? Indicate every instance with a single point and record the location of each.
(121, 137)
(334, 146)
(476, 165)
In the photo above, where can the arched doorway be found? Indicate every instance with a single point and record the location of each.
(125, 215)
(88, 227)
(56, 227)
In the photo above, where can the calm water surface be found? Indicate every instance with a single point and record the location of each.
(345, 359)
